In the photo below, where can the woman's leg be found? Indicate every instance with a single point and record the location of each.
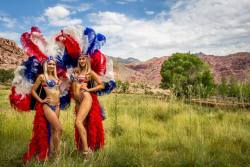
(52, 132)
(80, 118)
(53, 119)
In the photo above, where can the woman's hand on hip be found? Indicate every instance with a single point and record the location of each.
(46, 100)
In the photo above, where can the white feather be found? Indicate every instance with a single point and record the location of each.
(36, 38)
(109, 70)
(23, 86)
(64, 87)
(66, 82)
(76, 32)
(54, 48)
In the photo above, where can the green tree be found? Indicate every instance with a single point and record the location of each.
(118, 84)
(222, 88)
(245, 92)
(125, 87)
(183, 71)
(233, 88)
(6, 75)
(122, 87)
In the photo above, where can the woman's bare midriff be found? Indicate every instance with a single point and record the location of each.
(53, 94)
(78, 93)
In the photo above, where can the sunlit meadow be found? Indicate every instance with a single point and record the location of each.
(140, 131)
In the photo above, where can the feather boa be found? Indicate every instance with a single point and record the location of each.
(39, 143)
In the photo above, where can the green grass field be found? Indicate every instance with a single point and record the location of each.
(140, 131)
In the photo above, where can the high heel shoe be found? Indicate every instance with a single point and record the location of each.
(87, 154)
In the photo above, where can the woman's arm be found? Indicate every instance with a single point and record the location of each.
(98, 80)
(39, 80)
(34, 88)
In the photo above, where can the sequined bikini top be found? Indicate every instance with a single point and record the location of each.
(79, 78)
(82, 79)
(50, 83)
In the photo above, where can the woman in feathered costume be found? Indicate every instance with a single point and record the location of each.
(87, 105)
(89, 133)
(44, 88)
(50, 104)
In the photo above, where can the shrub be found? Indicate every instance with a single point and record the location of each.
(187, 75)
(6, 76)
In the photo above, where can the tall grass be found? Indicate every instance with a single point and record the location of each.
(140, 131)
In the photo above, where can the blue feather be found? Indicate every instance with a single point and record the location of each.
(90, 33)
(33, 69)
(108, 87)
(100, 40)
(65, 101)
(65, 61)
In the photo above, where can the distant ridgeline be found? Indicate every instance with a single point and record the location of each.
(148, 72)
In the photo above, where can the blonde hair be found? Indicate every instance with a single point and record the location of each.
(45, 70)
(87, 67)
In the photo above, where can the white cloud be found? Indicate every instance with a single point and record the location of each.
(33, 20)
(65, 22)
(83, 7)
(149, 12)
(7, 21)
(10, 35)
(56, 12)
(214, 27)
(79, 8)
(60, 16)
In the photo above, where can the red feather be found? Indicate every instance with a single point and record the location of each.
(39, 143)
(18, 102)
(70, 44)
(98, 62)
(32, 49)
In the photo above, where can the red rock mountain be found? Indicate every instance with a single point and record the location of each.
(236, 65)
(148, 72)
(10, 54)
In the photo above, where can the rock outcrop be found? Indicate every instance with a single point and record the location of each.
(234, 65)
(10, 54)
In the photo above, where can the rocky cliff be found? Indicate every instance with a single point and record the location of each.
(10, 54)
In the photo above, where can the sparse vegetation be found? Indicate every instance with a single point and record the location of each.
(6, 76)
(140, 131)
(122, 87)
(231, 88)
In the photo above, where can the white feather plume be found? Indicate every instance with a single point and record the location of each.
(23, 86)
(109, 70)
(54, 48)
(76, 32)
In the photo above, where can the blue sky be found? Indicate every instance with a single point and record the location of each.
(139, 28)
